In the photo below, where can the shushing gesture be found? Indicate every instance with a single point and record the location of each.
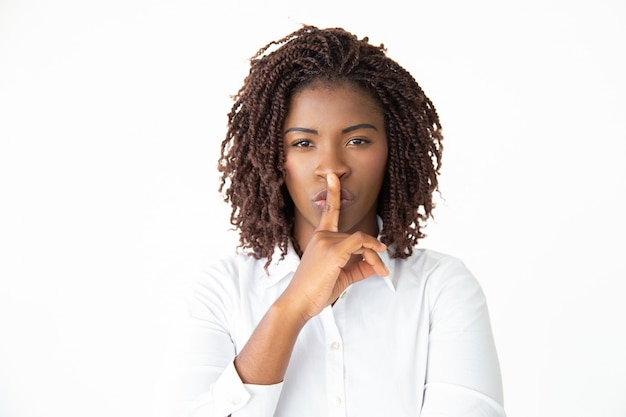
(332, 260)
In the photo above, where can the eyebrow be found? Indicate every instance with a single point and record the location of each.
(346, 130)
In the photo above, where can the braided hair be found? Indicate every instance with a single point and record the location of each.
(252, 154)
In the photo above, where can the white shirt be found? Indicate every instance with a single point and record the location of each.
(415, 343)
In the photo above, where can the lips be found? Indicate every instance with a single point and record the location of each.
(346, 198)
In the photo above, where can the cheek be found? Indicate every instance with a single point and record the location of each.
(296, 169)
(377, 164)
(293, 175)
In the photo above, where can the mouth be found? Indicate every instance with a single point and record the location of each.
(346, 199)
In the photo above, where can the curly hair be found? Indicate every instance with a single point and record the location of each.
(252, 154)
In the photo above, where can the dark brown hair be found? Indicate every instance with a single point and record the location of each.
(252, 154)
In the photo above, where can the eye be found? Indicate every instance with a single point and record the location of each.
(302, 143)
(358, 141)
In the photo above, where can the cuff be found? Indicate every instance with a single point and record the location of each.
(230, 396)
(442, 400)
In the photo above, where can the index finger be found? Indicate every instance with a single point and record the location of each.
(330, 215)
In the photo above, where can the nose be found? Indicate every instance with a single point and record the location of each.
(332, 161)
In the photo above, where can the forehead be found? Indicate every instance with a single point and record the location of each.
(333, 100)
(330, 85)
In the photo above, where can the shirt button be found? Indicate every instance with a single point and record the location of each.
(335, 345)
(338, 400)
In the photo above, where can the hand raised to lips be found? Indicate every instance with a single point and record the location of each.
(328, 264)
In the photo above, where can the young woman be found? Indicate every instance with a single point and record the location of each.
(330, 163)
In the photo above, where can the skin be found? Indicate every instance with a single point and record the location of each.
(335, 142)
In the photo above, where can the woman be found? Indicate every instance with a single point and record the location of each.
(330, 163)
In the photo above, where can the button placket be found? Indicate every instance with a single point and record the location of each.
(334, 364)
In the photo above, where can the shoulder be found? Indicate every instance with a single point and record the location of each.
(221, 282)
(233, 269)
(440, 273)
(428, 263)
(452, 292)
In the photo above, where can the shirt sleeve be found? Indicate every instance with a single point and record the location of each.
(463, 376)
(199, 378)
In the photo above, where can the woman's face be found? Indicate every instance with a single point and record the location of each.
(336, 128)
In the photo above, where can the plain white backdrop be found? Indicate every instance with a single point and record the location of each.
(111, 115)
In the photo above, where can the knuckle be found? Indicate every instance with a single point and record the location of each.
(317, 235)
(321, 238)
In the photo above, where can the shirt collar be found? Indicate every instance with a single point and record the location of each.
(390, 280)
(278, 268)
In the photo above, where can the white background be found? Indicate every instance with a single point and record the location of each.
(111, 115)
